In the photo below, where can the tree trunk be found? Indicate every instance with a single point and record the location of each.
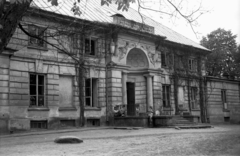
(10, 16)
(201, 94)
(175, 81)
(189, 93)
(202, 105)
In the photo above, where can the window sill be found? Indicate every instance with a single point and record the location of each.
(37, 47)
(67, 109)
(165, 67)
(91, 56)
(92, 108)
(197, 109)
(38, 109)
(167, 109)
(226, 110)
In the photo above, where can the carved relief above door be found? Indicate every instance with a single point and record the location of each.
(137, 59)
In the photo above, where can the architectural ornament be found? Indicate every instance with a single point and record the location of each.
(122, 51)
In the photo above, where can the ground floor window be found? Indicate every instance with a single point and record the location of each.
(42, 124)
(37, 90)
(224, 98)
(65, 91)
(166, 95)
(193, 98)
(91, 92)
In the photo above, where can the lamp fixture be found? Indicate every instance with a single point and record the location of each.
(112, 47)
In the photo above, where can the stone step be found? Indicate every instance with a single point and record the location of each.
(196, 126)
(181, 120)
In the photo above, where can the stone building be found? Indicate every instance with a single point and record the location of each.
(223, 100)
(148, 68)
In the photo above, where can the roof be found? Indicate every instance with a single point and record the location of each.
(93, 11)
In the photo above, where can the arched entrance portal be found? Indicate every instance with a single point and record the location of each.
(136, 83)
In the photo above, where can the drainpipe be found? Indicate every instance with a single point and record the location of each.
(106, 78)
(9, 94)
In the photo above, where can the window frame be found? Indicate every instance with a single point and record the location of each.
(164, 57)
(92, 40)
(37, 90)
(76, 41)
(37, 33)
(71, 77)
(93, 96)
(193, 97)
(192, 64)
(224, 98)
(66, 41)
(166, 95)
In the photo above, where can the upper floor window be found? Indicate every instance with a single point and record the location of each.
(91, 93)
(179, 61)
(38, 32)
(90, 46)
(76, 41)
(167, 59)
(37, 90)
(192, 65)
(166, 95)
(164, 59)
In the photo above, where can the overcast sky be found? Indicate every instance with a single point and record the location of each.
(223, 14)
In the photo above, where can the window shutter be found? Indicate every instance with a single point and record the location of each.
(99, 47)
(195, 65)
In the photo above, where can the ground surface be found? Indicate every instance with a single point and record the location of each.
(220, 140)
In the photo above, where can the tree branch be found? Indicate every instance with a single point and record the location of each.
(37, 37)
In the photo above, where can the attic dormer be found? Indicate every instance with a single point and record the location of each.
(119, 19)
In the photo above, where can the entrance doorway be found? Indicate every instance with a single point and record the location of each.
(131, 110)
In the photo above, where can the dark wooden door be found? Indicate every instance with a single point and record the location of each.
(131, 99)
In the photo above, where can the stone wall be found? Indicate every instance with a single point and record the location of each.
(216, 111)
(15, 110)
(4, 93)
(157, 93)
(140, 91)
(114, 91)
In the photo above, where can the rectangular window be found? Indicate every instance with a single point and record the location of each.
(65, 91)
(76, 41)
(179, 60)
(64, 42)
(42, 124)
(192, 65)
(91, 94)
(224, 98)
(37, 90)
(38, 32)
(193, 98)
(90, 46)
(167, 59)
(166, 95)
(164, 59)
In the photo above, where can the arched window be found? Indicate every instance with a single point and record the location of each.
(136, 58)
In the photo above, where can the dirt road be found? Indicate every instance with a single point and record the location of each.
(221, 140)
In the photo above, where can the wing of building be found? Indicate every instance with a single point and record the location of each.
(112, 67)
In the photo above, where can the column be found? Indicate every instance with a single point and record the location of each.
(124, 87)
(149, 92)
